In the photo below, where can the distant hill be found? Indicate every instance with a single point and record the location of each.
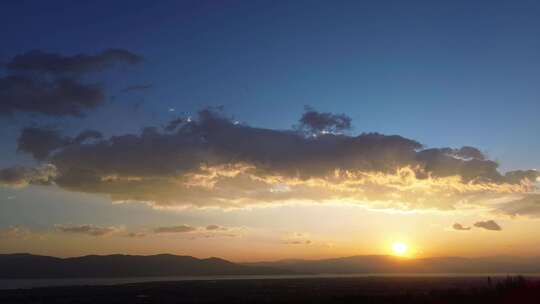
(107, 266)
(392, 264)
(35, 266)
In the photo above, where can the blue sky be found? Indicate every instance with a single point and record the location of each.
(442, 73)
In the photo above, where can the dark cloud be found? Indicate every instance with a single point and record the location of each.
(212, 161)
(22, 176)
(317, 122)
(58, 97)
(90, 230)
(469, 153)
(40, 142)
(87, 135)
(175, 229)
(458, 226)
(214, 140)
(454, 162)
(41, 61)
(519, 176)
(14, 175)
(174, 124)
(488, 225)
(50, 84)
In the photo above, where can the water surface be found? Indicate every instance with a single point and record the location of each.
(34, 283)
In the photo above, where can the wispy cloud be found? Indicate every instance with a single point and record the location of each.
(136, 234)
(460, 227)
(87, 229)
(488, 225)
(297, 238)
(216, 228)
(175, 229)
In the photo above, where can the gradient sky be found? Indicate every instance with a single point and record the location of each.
(442, 73)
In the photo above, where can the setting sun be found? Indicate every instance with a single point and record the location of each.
(399, 248)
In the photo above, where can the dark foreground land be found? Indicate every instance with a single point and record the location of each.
(401, 290)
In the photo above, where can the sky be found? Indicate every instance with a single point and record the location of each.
(263, 130)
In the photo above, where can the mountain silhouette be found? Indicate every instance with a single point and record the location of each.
(24, 265)
(391, 264)
(34, 266)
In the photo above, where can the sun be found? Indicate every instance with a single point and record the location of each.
(399, 248)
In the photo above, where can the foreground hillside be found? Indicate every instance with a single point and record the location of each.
(375, 290)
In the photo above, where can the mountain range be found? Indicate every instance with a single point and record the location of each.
(391, 264)
(24, 265)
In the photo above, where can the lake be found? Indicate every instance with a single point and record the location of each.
(34, 283)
